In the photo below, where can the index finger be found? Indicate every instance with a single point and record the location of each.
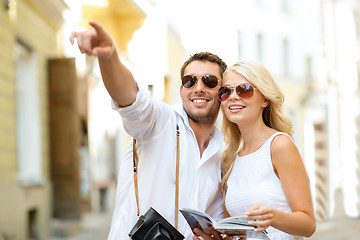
(97, 26)
(251, 210)
(255, 214)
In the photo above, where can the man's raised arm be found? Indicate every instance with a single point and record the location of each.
(117, 79)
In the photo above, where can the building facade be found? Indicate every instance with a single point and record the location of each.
(312, 55)
(29, 37)
(150, 47)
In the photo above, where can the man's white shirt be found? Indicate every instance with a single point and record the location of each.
(153, 124)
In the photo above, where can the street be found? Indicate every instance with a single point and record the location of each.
(338, 229)
(95, 226)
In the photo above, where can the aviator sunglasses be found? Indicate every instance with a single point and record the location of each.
(244, 91)
(189, 81)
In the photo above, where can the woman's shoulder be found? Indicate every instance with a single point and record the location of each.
(281, 141)
(283, 149)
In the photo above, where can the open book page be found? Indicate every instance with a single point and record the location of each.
(248, 233)
(233, 221)
(238, 226)
(197, 219)
(230, 226)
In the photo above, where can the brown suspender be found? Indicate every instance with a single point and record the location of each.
(177, 178)
(136, 160)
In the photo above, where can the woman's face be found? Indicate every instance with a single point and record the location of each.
(245, 108)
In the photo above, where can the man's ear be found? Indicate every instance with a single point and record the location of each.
(181, 88)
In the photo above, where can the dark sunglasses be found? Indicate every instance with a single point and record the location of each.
(189, 81)
(245, 91)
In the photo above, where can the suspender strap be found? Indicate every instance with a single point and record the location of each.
(136, 161)
(177, 178)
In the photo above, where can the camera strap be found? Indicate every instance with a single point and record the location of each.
(135, 162)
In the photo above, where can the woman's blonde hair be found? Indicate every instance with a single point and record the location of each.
(272, 115)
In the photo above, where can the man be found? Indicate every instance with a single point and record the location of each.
(153, 124)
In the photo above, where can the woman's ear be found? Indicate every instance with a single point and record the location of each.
(265, 103)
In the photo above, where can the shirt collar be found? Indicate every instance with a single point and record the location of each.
(216, 142)
(179, 109)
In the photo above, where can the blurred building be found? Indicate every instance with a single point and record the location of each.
(29, 36)
(60, 141)
(312, 50)
(313, 56)
(121, 18)
(61, 144)
(341, 58)
(148, 45)
(304, 44)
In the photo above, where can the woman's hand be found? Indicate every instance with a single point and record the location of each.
(264, 216)
(94, 41)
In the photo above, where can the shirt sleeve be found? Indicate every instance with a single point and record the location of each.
(145, 117)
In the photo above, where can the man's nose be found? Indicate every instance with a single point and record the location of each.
(199, 86)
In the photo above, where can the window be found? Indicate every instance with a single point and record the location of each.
(308, 67)
(151, 88)
(286, 5)
(239, 44)
(259, 45)
(286, 57)
(28, 116)
(259, 2)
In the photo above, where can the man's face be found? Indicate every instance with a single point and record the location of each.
(201, 102)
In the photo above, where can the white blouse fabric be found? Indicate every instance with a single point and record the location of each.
(253, 181)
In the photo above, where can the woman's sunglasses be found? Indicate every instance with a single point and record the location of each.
(189, 81)
(245, 91)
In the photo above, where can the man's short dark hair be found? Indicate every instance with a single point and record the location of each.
(204, 56)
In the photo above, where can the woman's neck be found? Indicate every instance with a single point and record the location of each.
(254, 136)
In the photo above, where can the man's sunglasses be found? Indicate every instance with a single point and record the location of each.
(245, 91)
(189, 81)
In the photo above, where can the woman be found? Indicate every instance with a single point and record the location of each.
(264, 178)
